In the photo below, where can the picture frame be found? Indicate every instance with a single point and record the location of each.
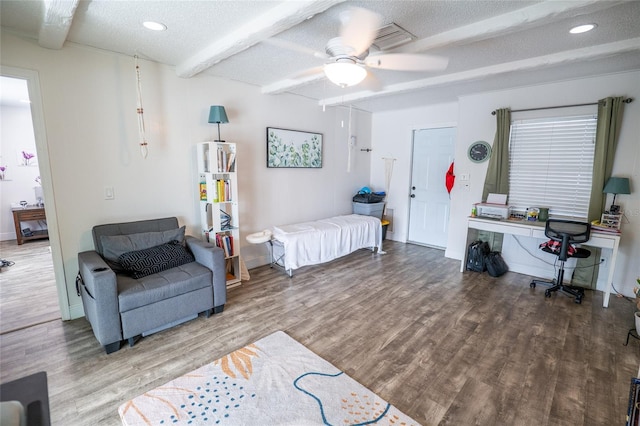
(293, 148)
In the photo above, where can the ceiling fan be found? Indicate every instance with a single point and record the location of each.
(348, 56)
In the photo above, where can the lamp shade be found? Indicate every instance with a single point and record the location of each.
(345, 73)
(617, 185)
(217, 114)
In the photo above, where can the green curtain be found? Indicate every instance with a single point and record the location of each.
(497, 179)
(607, 131)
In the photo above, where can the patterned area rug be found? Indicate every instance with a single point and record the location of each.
(274, 381)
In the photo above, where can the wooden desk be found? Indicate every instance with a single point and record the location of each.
(31, 213)
(536, 230)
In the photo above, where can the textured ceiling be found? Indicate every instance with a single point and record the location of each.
(490, 45)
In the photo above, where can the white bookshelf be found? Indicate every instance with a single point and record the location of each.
(218, 182)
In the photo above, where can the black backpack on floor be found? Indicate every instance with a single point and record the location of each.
(495, 264)
(476, 254)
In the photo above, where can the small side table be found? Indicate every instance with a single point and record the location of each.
(29, 213)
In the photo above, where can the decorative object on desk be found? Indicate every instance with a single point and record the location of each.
(39, 193)
(26, 158)
(615, 186)
(612, 221)
(293, 148)
(479, 151)
(140, 112)
(606, 227)
(24, 204)
(3, 169)
(218, 115)
(532, 213)
(543, 214)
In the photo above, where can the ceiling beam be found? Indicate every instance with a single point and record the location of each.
(511, 22)
(287, 84)
(58, 15)
(566, 57)
(282, 17)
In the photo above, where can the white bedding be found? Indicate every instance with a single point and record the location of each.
(311, 243)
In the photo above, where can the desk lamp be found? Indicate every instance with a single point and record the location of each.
(218, 115)
(615, 186)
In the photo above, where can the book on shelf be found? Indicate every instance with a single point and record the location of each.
(225, 160)
(225, 242)
(230, 163)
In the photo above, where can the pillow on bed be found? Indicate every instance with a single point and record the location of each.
(115, 245)
(141, 263)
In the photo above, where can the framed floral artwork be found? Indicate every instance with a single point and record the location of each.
(293, 148)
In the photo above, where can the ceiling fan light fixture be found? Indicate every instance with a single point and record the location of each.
(582, 28)
(345, 74)
(154, 26)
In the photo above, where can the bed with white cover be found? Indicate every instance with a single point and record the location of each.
(312, 243)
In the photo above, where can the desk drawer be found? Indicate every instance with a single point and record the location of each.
(28, 215)
(501, 227)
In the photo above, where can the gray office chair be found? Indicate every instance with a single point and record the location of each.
(565, 232)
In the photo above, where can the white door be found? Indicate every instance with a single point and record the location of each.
(429, 206)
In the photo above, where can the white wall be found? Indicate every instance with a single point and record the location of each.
(91, 127)
(20, 180)
(391, 133)
(392, 138)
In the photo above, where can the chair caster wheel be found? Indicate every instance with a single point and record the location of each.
(547, 293)
(532, 285)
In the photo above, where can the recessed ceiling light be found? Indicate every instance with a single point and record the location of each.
(155, 26)
(582, 28)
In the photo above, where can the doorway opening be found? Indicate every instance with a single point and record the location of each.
(33, 287)
(433, 151)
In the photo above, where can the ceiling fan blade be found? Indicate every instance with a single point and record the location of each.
(289, 45)
(406, 62)
(372, 82)
(359, 29)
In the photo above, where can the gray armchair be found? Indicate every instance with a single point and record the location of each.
(149, 294)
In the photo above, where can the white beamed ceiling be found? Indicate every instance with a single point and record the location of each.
(491, 45)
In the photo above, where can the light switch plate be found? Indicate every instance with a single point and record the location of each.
(108, 193)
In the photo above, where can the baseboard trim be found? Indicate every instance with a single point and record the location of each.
(76, 311)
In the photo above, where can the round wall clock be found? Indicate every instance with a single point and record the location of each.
(479, 151)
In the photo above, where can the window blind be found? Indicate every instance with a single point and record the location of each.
(551, 164)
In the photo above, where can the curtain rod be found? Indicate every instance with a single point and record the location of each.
(626, 101)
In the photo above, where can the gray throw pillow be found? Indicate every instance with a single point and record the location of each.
(115, 245)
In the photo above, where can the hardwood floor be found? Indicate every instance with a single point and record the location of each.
(446, 348)
(28, 293)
